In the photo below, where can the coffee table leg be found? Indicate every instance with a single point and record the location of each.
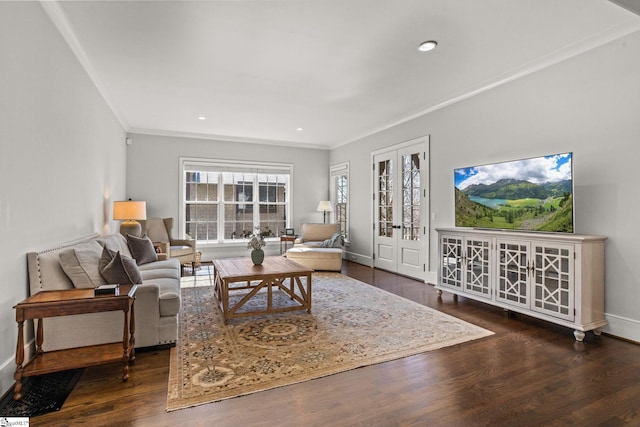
(309, 293)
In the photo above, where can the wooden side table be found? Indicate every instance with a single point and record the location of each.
(286, 240)
(65, 303)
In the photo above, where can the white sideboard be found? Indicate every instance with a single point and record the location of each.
(554, 277)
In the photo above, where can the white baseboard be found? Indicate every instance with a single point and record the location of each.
(429, 277)
(622, 327)
(360, 259)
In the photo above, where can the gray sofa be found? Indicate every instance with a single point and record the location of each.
(157, 299)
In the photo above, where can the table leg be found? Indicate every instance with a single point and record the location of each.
(125, 345)
(19, 359)
(39, 336)
(309, 293)
(132, 332)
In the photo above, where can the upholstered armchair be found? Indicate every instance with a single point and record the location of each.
(159, 231)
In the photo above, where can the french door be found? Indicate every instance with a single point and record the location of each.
(400, 205)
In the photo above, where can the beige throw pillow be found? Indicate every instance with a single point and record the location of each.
(80, 264)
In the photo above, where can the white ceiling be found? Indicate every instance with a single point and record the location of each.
(339, 69)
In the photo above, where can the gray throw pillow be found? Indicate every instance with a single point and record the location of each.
(336, 241)
(142, 249)
(119, 269)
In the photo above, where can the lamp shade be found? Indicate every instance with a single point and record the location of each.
(129, 210)
(324, 206)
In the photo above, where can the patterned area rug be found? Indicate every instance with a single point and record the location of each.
(351, 324)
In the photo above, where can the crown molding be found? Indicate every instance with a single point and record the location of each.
(62, 23)
(560, 55)
(224, 138)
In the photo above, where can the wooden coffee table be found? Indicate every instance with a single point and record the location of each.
(65, 303)
(275, 272)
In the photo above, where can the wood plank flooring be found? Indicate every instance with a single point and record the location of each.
(530, 373)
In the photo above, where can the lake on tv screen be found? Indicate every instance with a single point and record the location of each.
(532, 194)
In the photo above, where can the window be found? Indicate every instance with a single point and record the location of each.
(340, 196)
(220, 204)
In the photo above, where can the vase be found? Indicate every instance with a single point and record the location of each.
(257, 256)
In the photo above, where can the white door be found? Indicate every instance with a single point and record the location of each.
(400, 197)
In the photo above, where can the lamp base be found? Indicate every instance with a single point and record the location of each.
(131, 227)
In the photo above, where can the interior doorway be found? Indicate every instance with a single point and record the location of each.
(400, 200)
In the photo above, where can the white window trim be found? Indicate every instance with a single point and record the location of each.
(200, 163)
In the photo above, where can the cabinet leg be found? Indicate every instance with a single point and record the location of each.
(597, 331)
(579, 335)
(439, 292)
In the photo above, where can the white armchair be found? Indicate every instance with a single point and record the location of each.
(159, 231)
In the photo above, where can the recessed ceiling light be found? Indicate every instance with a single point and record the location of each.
(427, 46)
(202, 118)
(299, 129)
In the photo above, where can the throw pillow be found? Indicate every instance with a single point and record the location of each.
(142, 249)
(80, 264)
(116, 268)
(336, 241)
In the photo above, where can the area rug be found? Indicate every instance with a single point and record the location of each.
(351, 325)
(41, 394)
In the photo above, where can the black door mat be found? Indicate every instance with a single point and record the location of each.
(40, 394)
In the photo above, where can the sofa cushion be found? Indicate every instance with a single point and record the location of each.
(116, 268)
(117, 243)
(177, 251)
(317, 258)
(142, 249)
(317, 232)
(80, 264)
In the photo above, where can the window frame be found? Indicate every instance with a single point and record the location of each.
(336, 171)
(221, 166)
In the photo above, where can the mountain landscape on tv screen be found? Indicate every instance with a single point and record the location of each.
(481, 201)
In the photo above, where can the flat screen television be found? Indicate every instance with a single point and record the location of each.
(534, 194)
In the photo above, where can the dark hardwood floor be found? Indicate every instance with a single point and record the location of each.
(530, 373)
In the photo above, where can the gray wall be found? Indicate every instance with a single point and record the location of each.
(589, 105)
(62, 155)
(153, 175)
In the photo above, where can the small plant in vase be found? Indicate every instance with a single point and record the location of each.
(256, 243)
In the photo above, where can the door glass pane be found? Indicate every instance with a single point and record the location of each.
(411, 196)
(385, 198)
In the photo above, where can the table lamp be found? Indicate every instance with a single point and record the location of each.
(324, 206)
(129, 211)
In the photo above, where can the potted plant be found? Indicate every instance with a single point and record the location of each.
(256, 243)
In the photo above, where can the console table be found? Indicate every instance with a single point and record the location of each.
(554, 277)
(65, 303)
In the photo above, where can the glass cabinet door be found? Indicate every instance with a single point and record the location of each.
(513, 278)
(477, 267)
(553, 291)
(451, 261)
